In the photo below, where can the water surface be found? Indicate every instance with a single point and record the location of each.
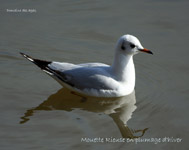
(36, 113)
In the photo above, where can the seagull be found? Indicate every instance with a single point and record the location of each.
(98, 79)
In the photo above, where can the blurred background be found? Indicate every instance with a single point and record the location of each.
(86, 31)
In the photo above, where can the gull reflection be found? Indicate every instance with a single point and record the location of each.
(119, 109)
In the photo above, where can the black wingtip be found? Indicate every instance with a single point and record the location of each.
(40, 63)
(27, 57)
(22, 54)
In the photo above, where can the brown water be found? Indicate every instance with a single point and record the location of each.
(36, 113)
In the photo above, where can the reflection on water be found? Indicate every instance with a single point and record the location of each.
(119, 109)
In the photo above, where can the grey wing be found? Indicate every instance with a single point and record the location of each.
(90, 78)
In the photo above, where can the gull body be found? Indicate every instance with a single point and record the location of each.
(98, 79)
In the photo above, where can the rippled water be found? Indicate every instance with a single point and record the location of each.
(36, 113)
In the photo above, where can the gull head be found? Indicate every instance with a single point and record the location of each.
(130, 45)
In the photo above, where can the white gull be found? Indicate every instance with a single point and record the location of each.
(98, 79)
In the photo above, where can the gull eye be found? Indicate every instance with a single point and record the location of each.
(132, 45)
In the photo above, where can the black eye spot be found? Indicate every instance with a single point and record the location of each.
(122, 46)
(132, 45)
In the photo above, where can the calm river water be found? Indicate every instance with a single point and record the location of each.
(36, 113)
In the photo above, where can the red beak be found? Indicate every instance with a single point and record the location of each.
(146, 50)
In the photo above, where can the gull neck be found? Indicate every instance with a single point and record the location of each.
(123, 68)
